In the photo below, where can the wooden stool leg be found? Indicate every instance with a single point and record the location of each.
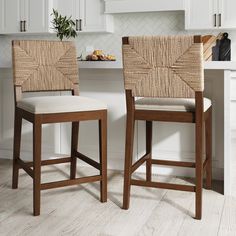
(128, 158)
(74, 147)
(103, 156)
(16, 148)
(149, 150)
(199, 161)
(37, 133)
(209, 150)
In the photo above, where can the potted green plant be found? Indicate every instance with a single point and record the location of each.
(64, 26)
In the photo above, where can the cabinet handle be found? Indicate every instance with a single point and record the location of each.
(214, 20)
(24, 26)
(220, 20)
(80, 25)
(77, 25)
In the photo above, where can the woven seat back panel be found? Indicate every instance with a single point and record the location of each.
(163, 66)
(44, 65)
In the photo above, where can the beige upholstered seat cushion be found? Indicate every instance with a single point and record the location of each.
(60, 104)
(169, 104)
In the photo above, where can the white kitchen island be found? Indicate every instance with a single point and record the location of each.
(104, 80)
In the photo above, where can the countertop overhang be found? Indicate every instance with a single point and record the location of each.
(208, 65)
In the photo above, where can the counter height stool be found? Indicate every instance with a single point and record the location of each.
(52, 66)
(165, 73)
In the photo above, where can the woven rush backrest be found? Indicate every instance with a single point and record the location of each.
(44, 65)
(163, 66)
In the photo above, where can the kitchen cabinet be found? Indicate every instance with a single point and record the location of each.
(69, 8)
(25, 16)
(11, 13)
(37, 16)
(93, 18)
(88, 14)
(34, 16)
(210, 14)
(227, 11)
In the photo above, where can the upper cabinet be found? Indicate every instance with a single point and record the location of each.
(37, 16)
(24, 16)
(34, 16)
(227, 13)
(93, 18)
(11, 13)
(88, 14)
(210, 14)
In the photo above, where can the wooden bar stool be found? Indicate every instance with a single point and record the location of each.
(167, 72)
(52, 66)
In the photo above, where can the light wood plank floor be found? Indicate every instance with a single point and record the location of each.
(77, 210)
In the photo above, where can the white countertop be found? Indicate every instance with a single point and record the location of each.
(100, 65)
(208, 65)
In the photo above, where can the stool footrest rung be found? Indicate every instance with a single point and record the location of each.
(138, 163)
(50, 161)
(173, 163)
(88, 160)
(25, 167)
(70, 182)
(152, 184)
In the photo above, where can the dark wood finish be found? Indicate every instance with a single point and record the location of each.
(88, 160)
(25, 167)
(103, 157)
(16, 149)
(37, 136)
(199, 153)
(38, 120)
(70, 182)
(208, 138)
(72, 116)
(50, 162)
(197, 39)
(149, 150)
(138, 163)
(167, 116)
(125, 40)
(179, 187)
(198, 117)
(130, 121)
(74, 148)
(174, 163)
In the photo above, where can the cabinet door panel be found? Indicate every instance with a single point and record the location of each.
(92, 15)
(10, 15)
(228, 16)
(67, 8)
(36, 15)
(200, 14)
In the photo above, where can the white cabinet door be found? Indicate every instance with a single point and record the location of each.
(93, 17)
(10, 15)
(201, 14)
(67, 8)
(227, 13)
(37, 15)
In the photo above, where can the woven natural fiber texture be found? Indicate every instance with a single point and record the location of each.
(44, 65)
(163, 66)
